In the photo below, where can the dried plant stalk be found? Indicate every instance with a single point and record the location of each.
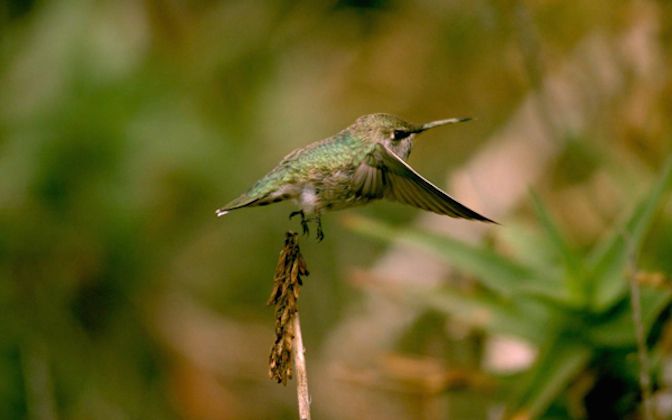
(301, 375)
(287, 284)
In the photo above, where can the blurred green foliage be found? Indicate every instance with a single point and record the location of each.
(574, 307)
(124, 124)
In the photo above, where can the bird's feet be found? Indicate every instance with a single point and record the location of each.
(320, 232)
(304, 224)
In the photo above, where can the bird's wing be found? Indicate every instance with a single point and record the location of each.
(370, 179)
(384, 174)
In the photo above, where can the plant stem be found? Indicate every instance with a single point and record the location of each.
(642, 353)
(301, 374)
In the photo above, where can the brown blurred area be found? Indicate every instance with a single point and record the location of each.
(125, 124)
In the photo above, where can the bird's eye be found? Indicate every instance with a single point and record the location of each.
(400, 134)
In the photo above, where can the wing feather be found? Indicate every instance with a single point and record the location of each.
(369, 179)
(384, 173)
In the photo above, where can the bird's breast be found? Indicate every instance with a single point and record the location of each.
(332, 190)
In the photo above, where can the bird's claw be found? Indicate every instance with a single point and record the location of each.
(320, 232)
(304, 224)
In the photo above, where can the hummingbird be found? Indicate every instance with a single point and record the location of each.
(364, 162)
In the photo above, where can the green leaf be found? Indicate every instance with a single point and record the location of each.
(494, 272)
(554, 369)
(530, 245)
(574, 284)
(608, 260)
(523, 319)
(618, 329)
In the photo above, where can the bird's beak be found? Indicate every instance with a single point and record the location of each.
(438, 123)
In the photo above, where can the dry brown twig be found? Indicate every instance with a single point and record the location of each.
(287, 284)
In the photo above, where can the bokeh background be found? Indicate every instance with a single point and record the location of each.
(125, 124)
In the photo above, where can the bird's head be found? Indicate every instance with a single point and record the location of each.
(395, 133)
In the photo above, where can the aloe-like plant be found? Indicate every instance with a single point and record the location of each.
(574, 308)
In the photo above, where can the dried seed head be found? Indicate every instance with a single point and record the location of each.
(285, 296)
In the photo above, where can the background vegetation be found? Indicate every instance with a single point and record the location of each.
(125, 124)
